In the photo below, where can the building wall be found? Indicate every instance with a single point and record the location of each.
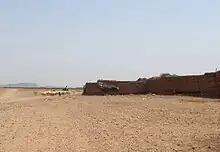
(92, 89)
(200, 85)
(196, 85)
(131, 87)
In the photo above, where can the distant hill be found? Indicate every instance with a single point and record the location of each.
(30, 85)
(20, 85)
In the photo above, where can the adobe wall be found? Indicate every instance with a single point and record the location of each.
(198, 85)
(92, 89)
(131, 87)
(207, 85)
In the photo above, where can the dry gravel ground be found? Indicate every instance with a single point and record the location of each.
(106, 124)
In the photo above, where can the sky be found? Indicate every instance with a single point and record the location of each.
(70, 42)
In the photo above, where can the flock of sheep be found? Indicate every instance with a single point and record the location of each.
(55, 93)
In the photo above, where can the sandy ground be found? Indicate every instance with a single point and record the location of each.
(106, 124)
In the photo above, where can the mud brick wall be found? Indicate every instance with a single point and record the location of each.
(199, 85)
(170, 85)
(92, 89)
(127, 87)
(130, 87)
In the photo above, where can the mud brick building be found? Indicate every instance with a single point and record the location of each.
(207, 85)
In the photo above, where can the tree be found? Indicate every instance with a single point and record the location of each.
(162, 75)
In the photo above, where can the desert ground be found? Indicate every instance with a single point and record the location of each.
(30, 122)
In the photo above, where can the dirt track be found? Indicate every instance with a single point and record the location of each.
(111, 123)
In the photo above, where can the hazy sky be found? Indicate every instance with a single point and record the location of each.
(69, 42)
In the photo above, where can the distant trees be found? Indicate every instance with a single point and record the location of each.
(162, 75)
(141, 79)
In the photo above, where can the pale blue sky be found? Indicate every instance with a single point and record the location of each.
(69, 42)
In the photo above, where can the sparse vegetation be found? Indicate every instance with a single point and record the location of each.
(167, 75)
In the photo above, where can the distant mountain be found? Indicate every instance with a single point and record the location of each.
(20, 85)
(28, 85)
